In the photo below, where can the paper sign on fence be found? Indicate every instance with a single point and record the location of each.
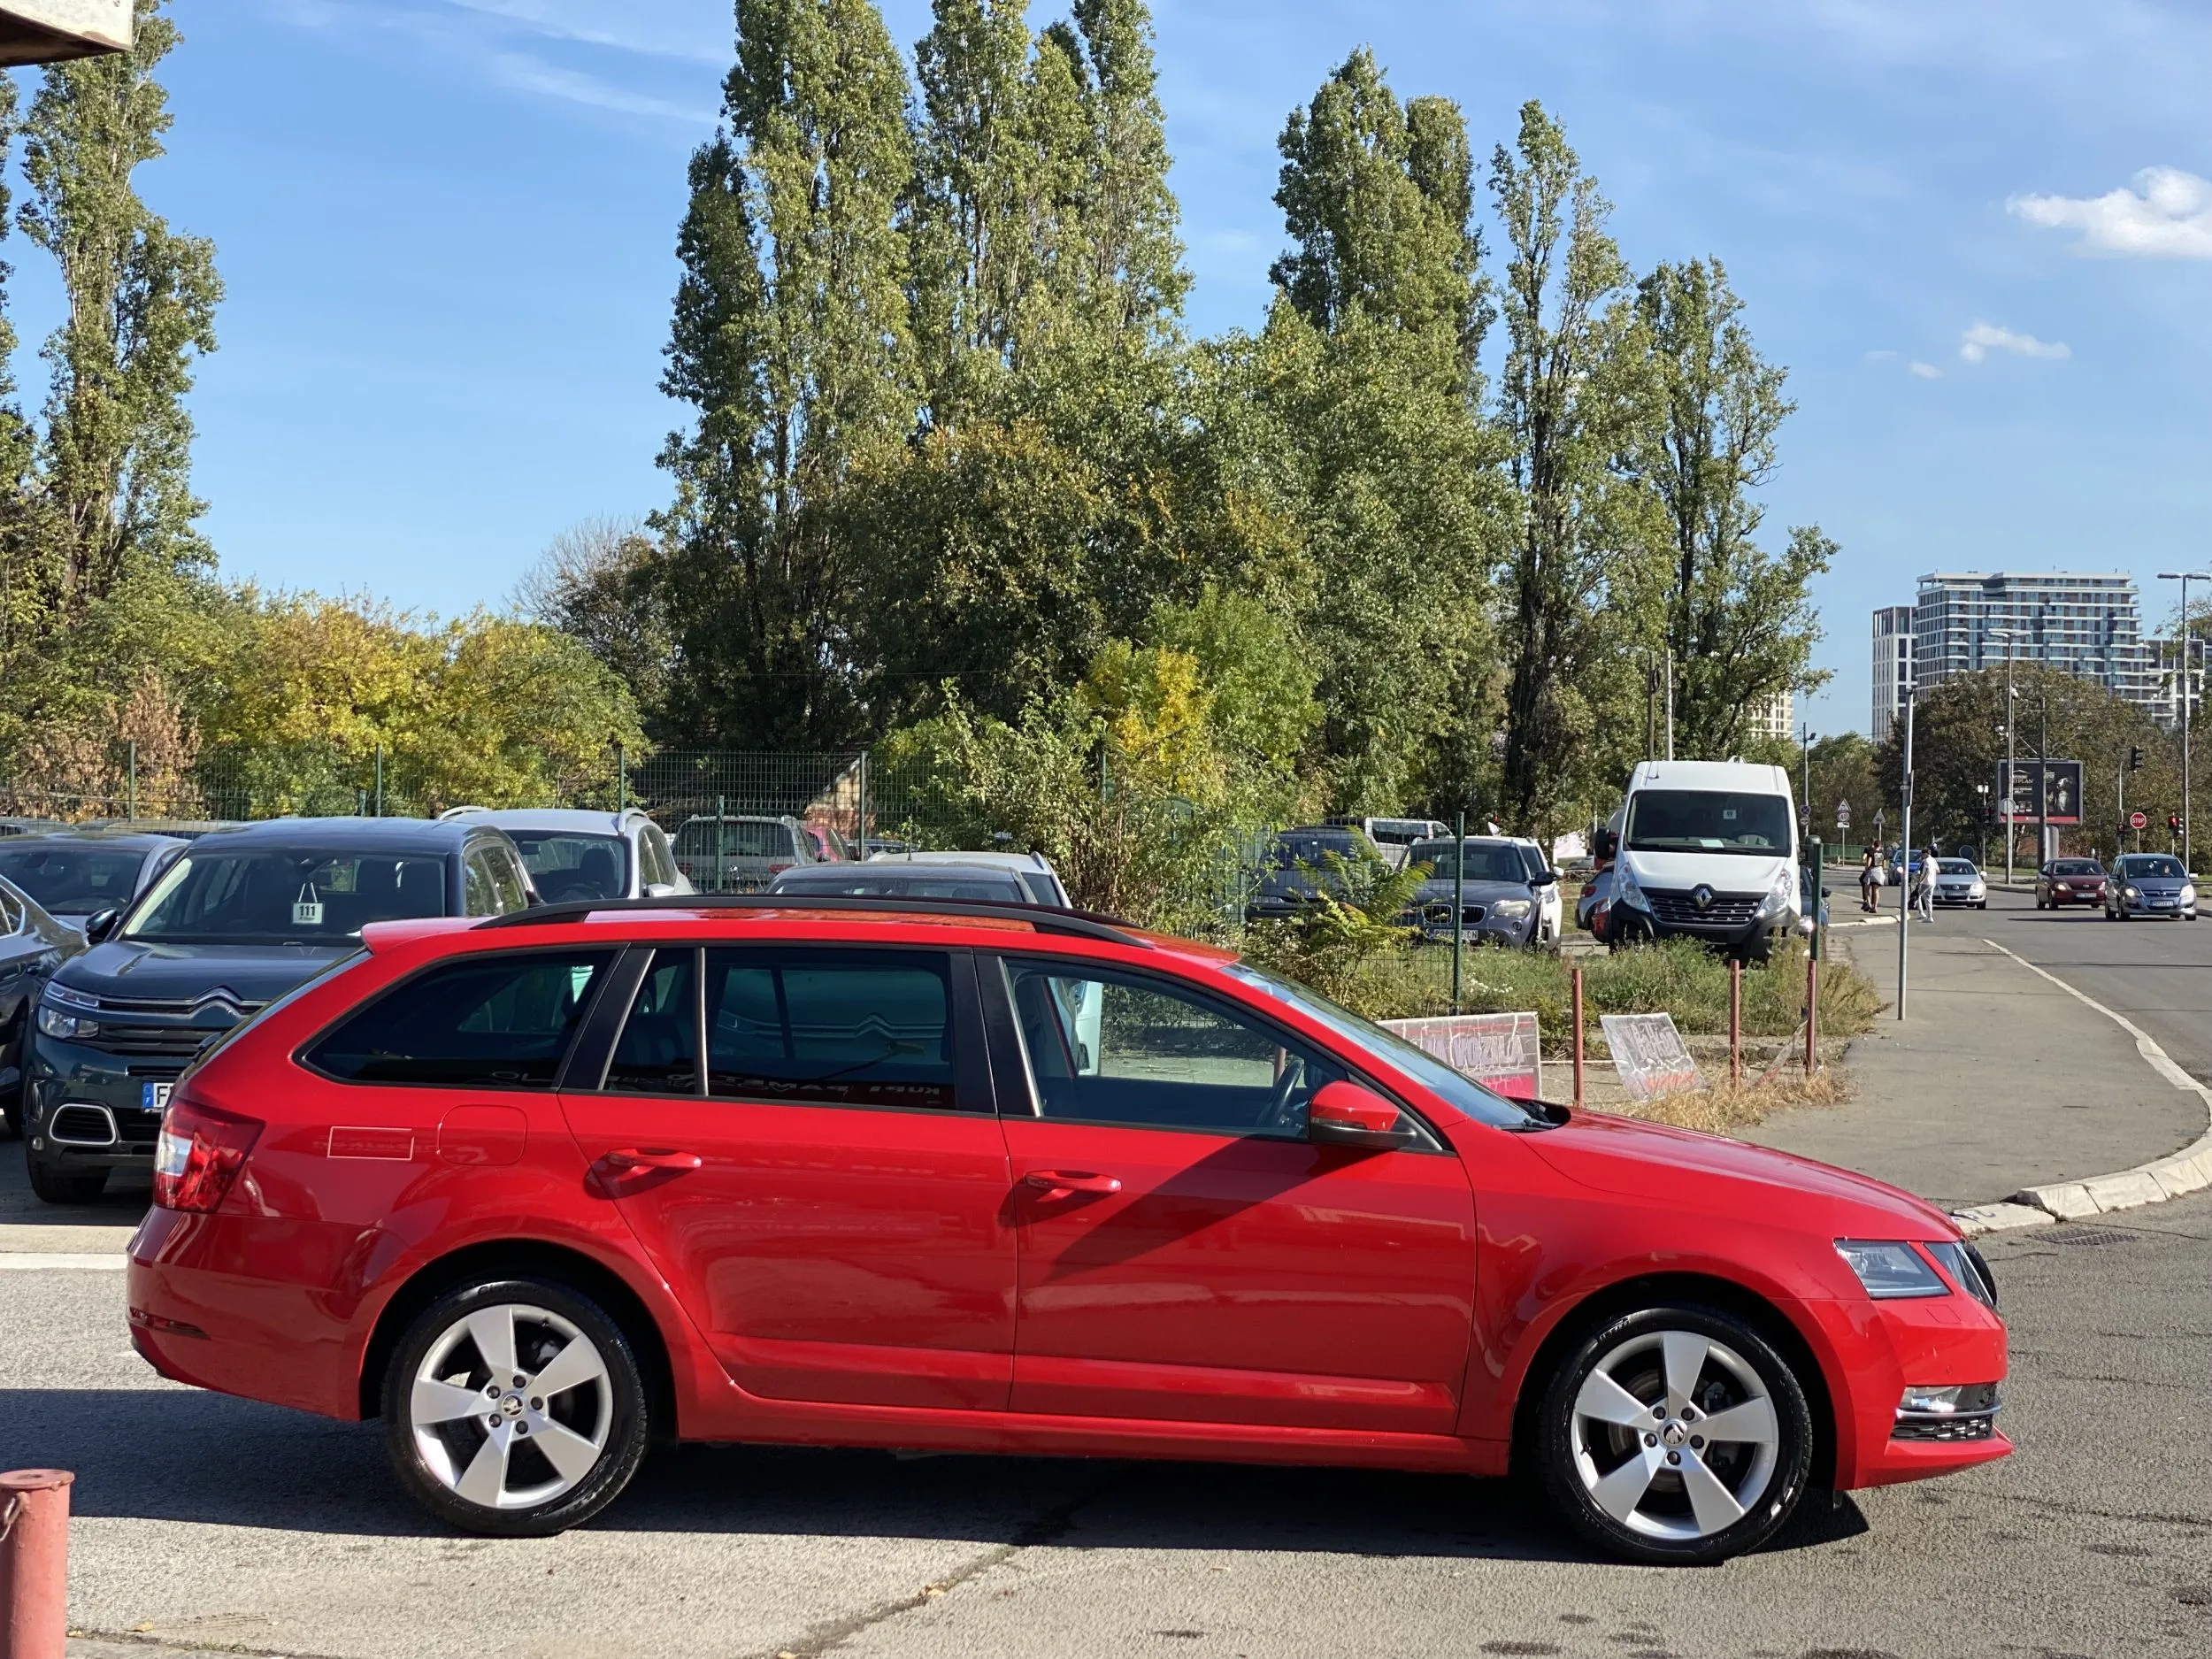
(1500, 1051)
(1650, 1055)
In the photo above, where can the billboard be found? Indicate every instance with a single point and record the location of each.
(1500, 1051)
(2030, 779)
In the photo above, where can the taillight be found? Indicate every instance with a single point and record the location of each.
(199, 1153)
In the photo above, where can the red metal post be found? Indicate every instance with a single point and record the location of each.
(1576, 1021)
(34, 1564)
(1735, 1021)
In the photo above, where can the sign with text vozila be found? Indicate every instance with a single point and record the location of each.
(2032, 780)
(1648, 1053)
(1500, 1051)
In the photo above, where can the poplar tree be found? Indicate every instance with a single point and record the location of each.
(113, 484)
(1574, 585)
(1738, 619)
(791, 341)
(1134, 279)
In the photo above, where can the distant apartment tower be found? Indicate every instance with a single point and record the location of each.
(2084, 623)
(1893, 666)
(2165, 700)
(1773, 717)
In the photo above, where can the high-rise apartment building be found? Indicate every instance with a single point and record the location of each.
(1775, 716)
(2088, 623)
(1893, 666)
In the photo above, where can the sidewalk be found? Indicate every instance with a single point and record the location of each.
(1998, 1080)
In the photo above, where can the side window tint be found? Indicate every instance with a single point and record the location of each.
(1138, 1051)
(11, 914)
(832, 1027)
(486, 1022)
(510, 885)
(658, 1052)
(478, 897)
(659, 865)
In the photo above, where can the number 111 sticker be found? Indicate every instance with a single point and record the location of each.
(307, 908)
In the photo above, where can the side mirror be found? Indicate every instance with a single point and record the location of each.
(101, 924)
(1346, 1115)
(660, 889)
(1544, 878)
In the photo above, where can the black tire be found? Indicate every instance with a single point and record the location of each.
(53, 1187)
(1773, 1497)
(618, 1423)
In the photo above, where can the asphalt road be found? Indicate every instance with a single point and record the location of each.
(212, 1524)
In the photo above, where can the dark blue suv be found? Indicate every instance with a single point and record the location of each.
(239, 919)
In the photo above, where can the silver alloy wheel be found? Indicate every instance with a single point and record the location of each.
(511, 1407)
(1675, 1435)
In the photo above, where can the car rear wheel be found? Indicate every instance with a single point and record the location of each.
(514, 1407)
(1675, 1435)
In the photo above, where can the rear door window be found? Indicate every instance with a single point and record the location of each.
(658, 1050)
(823, 1027)
(493, 1022)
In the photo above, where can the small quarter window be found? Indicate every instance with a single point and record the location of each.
(498, 1022)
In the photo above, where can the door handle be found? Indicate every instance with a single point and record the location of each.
(632, 1161)
(1056, 1182)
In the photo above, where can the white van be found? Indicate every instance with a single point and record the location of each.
(1708, 850)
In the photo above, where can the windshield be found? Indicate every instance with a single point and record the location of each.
(1707, 821)
(1456, 1087)
(1289, 851)
(2157, 867)
(2077, 867)
(742, 838)
(1956, 866)
(564, 866)
(279, 896)
(1486, 860)
(73, 881)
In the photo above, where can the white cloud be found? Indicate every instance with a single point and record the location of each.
(701, 32)
(1926, 370)
(2168, 215)
(1983, 338)
(525, 73)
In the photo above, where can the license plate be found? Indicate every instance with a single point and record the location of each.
(156, 1096)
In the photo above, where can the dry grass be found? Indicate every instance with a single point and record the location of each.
(1726, 1107)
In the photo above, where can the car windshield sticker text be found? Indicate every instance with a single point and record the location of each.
(307, 909)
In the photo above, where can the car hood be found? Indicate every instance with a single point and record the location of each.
(1723, 872)
(184, 974)
(2165, 886)
(1634, 1159)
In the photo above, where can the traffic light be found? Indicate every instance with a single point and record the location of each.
(2135, 759)
(2173, 822)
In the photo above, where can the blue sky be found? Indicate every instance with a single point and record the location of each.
(447, 228)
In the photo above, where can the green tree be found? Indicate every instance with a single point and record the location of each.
(115, 460)
(1577, 583)
(1378, 199)
(1134, 279)
(1740, 621)
(791, 341)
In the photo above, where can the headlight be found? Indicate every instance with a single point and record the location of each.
(1967, 1270)
(1781, 896)
(2130, 892)
(2188, 895)
(60, 1022)
(1625, 892)
(1890, 1270)
(1510, 908)
(1977, 890)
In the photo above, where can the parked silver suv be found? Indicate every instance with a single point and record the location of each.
(574, 855)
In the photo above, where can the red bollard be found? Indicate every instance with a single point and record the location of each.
(1575, 1017)
(34, 1563)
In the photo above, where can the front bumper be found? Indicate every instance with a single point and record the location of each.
(117, 1117)
(1756, 936)
(1880, 1348)
(1484, 925)
(1960, 898)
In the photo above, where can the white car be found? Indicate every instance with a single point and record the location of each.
(573, 854)
(1550, 909)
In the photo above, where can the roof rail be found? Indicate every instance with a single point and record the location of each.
(1044, 917)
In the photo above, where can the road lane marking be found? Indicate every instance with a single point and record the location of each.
(2187, 1171)
(59, 1262)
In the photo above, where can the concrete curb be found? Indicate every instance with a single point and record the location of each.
(2187, 1171)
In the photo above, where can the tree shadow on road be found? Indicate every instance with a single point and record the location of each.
(166, 1453)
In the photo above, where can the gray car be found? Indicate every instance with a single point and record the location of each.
(574, 855)
(75, 874)
(1502, 901)
(2149, 884)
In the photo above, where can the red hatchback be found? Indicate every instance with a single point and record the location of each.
(543, 1190)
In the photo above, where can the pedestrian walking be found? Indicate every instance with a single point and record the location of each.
(1923, 884)
(1871, 879)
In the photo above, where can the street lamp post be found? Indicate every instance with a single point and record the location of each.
(2008, 635)
(2188, 696)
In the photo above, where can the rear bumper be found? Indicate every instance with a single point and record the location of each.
(1882, 1347)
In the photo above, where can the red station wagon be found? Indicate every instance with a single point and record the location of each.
(541, 1190)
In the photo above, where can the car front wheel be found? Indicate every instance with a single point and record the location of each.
(51, 1187)
(514, 1407)
(1675, 1435)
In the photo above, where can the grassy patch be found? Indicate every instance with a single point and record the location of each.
(1724, 1107)
(1679, 977)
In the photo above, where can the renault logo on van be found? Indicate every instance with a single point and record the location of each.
(1702, 896)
